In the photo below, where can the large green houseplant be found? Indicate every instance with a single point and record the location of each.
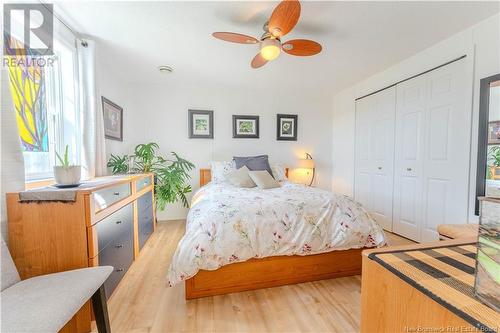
(171, 174)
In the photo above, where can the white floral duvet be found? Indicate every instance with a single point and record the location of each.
(227, 224)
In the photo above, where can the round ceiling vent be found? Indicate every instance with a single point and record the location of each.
(165, 69)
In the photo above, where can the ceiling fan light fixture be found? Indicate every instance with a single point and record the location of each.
(283, 19)
(270, 49)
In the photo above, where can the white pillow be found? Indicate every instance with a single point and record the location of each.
(240, 178)
(263, 179)
(279, 172)
(219, 170)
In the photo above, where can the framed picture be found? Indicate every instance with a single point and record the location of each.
(201, 124)
(286, 127)
(113, 120)
(245, 126)
(494, 132)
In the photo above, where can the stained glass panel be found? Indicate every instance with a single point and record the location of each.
(27, 86)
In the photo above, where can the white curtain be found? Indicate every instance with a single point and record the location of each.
(12, 163)
(93, 148)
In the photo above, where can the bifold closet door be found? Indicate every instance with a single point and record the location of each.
(374, 167)
(409, 165)
(433, 128)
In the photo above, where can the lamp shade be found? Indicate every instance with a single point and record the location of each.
(270, 49)
(306, 163)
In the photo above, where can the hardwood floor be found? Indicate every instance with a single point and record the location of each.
(143, 302)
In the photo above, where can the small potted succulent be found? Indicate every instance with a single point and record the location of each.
(66, 174)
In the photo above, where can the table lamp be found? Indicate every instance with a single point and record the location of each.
(308, 163)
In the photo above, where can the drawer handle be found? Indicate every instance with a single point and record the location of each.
(380, 168)
(116, 193)
(119, 246)
(118, 222)
(119, 270)
(408, 169)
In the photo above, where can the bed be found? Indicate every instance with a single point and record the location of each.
(243, 239)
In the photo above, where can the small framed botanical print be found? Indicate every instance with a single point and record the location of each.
(494, 132)
(201, 124)
(287, 127)
(113, 120)
(245, 126)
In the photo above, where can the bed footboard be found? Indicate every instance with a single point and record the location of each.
(273, 271)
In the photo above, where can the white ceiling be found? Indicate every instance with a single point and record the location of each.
(358, 38)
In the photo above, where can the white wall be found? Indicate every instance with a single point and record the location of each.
(494, 108)
(110, 85)
(159, 113)
(11, 157)
(481, 44)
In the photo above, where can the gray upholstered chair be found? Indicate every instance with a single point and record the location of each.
(46, 303)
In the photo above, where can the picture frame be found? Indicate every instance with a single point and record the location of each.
(201, 124)
(113, 119)
(494, 132)
(245, 127)
(286, 127)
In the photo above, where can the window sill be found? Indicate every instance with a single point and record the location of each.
(38, 183)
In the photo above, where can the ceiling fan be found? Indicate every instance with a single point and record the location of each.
(283, 19)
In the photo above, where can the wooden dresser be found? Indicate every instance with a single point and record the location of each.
(107, 224)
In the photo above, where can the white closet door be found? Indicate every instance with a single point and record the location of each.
(432, 152)
(363, 165)
(408, 170)
(448, 129)
(375, 154)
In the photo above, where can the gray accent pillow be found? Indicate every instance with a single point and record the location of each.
(254, 163)
(263, 179)
(240, 178)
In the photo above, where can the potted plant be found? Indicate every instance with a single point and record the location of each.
(494, 158)
(171, 174)
(66, 174)
(118, 164)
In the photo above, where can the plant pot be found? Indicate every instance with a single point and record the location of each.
(68, 176)
(495, 172)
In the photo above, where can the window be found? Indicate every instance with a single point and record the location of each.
(46, 103)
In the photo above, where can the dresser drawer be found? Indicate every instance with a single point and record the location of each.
(120, 255)
(108, 196)
(145, 217)
(142, 183)
(115, 228)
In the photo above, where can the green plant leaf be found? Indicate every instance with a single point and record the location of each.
(118, 164)
(494, 156)
(65, 160)
(171, 175)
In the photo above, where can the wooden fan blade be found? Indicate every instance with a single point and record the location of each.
(301, 47)
(284, 17)
(258, 61)
(235, 38)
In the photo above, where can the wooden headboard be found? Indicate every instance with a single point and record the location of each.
(206, 176)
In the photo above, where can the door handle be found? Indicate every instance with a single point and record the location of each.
(118, 222)
(380, 168)
(119, 246)
(408, 169)
(116, 193)
(119, 270)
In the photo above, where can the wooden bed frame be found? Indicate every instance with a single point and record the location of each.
(271, 271)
